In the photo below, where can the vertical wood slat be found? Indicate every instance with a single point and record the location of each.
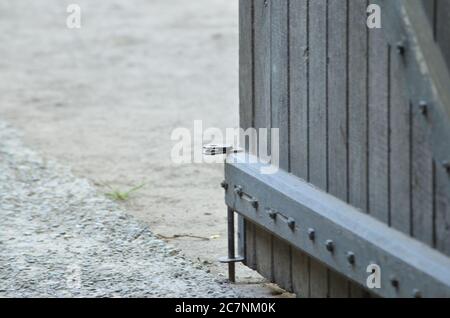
(262, 116)
(400, 148)
(442, 209)
(429, 6)
(246, 103)
(357, 112)
(280, 119)
(421, 179)
(442, 28)
(318, 122)
(357, 105)
(337, 114)
(298, 78)
(378, 126)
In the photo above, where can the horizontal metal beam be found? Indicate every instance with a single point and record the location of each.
(335, 233)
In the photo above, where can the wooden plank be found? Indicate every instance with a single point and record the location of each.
(246, 105)
(422, 179)
(318, 279)
(246, 63)
(337, 113)
(442, 28)
(378, 129)
(318, 122)
(299, 52)
(298, 95)
(280, 119)
(300, 273)
(263, 252)
(400, 148)
(318, 93)
(358, 105)
(429, 6)
(262, 116)
(442, 209)
(357, 111)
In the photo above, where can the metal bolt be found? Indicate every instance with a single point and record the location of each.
(446, 165)
(272, 214)
(329, 245)
(238, 190)
(291, 223)
(255, 204)
(312, 234)
(417, 293)
(351, 257)
(394, 282)
(224, 185)
(401, 48)
(423, 107)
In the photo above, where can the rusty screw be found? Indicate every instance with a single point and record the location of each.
(291, 223)
(416, 293)
(312, 234)
(446, 165)
(423, 107)
(272, 214)
(224, 185)
(394, 282)
(351, 257)
(329, 244)
(401, 48)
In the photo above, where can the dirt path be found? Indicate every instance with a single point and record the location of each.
(61, 238)
(104, 99)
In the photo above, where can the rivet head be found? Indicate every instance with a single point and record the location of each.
(394, 282)
(329, 244)
(446, 165)
(238, 190)
(224, 185)
(400, 48)
(311, 234)
(423, 107)
(416, 293)
(255, 204)
(351, 257)
(272, 214)
(291, 223)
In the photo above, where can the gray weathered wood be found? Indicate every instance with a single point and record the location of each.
(400, 148)
(337, 101)
(422, 179)
(298, 70)
(262, 86)
(442, 206)
(300, 273)
(298, 106)
(416, 265)
(358, 105)
(280, 119)
(357, 110)
(442, 28)
(318, 122)
(246, 115)
(378, 125)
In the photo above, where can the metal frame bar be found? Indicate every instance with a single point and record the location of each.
(334, 232)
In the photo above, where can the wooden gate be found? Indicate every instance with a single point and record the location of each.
(363, 117)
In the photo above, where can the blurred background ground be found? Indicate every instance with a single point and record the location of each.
(105, 99)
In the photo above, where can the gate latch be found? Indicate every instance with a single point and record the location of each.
(219, 149)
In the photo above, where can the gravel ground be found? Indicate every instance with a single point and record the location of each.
(61, 238)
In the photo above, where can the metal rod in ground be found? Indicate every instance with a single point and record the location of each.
(231, 265)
